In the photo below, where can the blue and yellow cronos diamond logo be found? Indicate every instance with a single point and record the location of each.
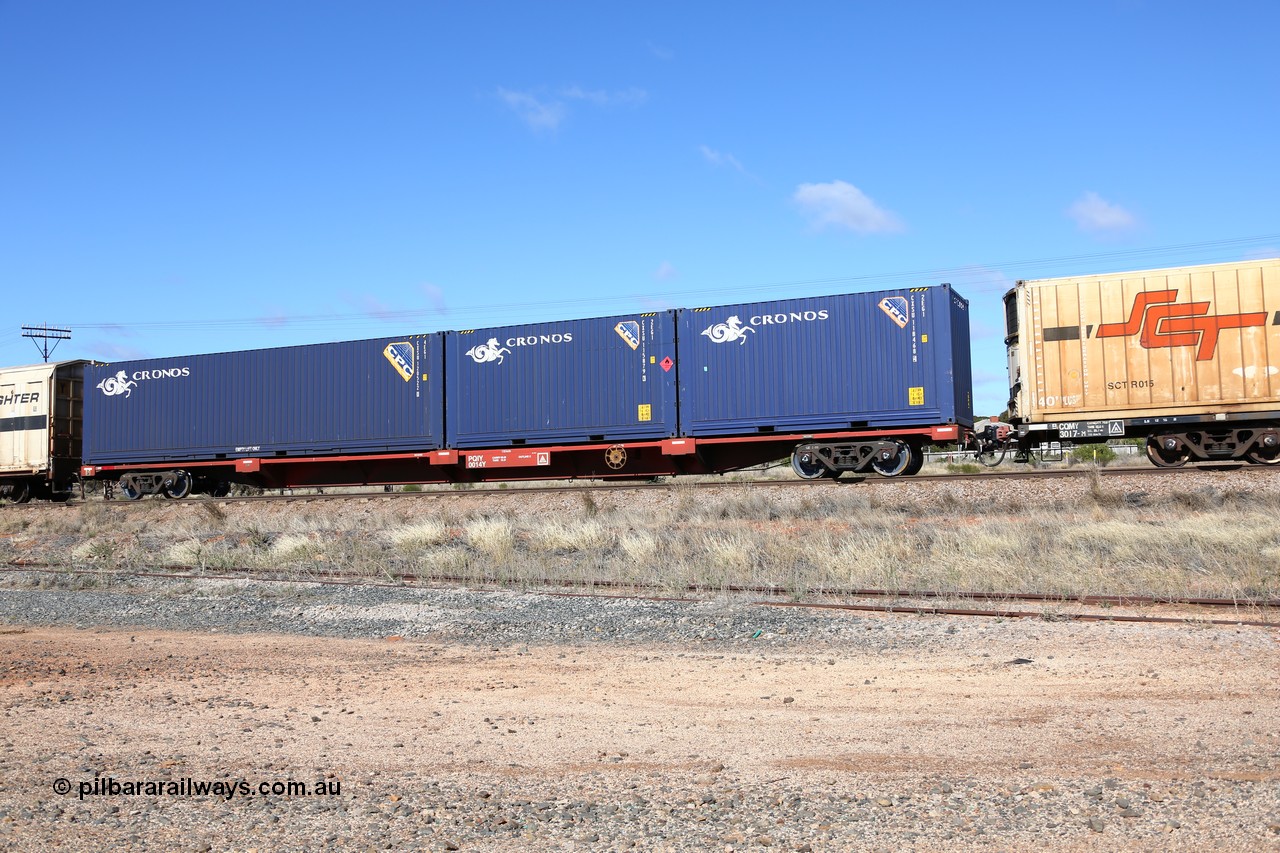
(629, 331)
(400, 354)
(896, 308)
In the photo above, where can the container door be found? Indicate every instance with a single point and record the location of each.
(22, 423)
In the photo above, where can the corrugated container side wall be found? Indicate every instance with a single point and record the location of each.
(348, 397)
(878, 360)
(1192, 340)
(961, 358)
(602, 379)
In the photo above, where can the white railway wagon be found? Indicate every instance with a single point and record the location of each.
(41, 411)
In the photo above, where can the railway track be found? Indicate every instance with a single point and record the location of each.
(956, 603)
(437, 491)
(907, 602)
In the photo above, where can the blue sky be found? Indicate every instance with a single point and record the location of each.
(182, 178)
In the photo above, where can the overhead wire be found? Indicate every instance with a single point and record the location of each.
(979, 278)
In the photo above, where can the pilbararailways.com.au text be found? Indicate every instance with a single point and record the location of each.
(227, 789)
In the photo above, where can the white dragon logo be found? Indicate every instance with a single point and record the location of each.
(118, 384)
(492, 351)
(728, 331)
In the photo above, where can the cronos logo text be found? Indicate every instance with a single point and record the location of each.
(493, 349)
(733, 328)
(124, 382)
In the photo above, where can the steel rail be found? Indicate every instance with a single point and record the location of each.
(765, 589)
(394, 581)
(676, 481)
(1021, 614)
(570, 486)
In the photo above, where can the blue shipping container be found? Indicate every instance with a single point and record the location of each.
(865, 360)
(575, 381)
(350, 397)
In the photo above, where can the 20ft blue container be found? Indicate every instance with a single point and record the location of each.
(575, 381)
(322, 399)
(864, 360)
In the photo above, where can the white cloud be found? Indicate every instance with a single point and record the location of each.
(842, 205)
(665, 271)
(376, 308)
(370, 306)
(545, 113)
(1094, 213)
(720, 158)
(625, 98)
(538, 114)
(659, 52)
(435, 295)
(657, 303)
(109, 351)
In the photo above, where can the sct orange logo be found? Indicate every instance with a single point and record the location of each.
(1164, 323)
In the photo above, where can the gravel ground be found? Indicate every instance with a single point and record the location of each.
(487, 618)
(505, 721)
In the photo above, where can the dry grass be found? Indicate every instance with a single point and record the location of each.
(412, 538)
(492, 538)
(569, 535)
(1198, 543)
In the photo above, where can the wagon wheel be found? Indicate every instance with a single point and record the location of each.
(990, 456)
(807, 465)
(18, 493)
(1266, 451)
(894, 465)
(179, 487)
(616, 457)
(916, 463)
(1162, 455)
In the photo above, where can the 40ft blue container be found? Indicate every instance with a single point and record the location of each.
(323, 399)
(864, 360)
(575, 381)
